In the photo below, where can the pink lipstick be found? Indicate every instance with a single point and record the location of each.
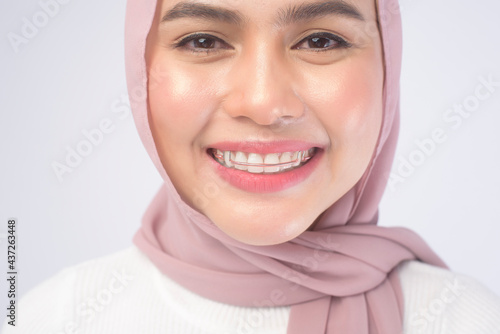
(264, 167)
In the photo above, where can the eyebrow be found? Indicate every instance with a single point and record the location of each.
(286, 16)
(310, 11)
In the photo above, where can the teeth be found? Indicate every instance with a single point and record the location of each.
(227, 158)
(286, 157)
(257, 163)
(254, 158)
(240, 157)
(296, 159)
(272, 159)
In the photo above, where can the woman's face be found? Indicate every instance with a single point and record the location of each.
(264, 113)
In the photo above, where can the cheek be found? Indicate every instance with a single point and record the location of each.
(179, 103)
(349, 102)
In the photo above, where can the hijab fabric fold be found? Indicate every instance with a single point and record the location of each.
(339, 277)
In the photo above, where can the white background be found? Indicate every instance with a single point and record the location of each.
(70, 76)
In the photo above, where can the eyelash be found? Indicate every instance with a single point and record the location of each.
(340, 42)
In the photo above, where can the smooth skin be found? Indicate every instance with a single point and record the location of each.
(260, 81)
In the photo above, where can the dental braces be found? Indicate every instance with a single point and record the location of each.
(300, 159)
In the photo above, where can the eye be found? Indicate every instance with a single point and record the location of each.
(201, 43)
(322, 41)
(205, 43)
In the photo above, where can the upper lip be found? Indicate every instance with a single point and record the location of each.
(264, 147)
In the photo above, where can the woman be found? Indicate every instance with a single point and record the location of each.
(274, 127)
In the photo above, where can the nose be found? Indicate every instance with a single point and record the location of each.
(261, 88)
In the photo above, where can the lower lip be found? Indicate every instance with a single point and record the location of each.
(266, 183)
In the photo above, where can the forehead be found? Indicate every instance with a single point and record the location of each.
(279, 13)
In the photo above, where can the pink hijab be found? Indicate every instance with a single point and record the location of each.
(339, 277)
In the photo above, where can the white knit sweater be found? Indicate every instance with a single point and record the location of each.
(125, 293)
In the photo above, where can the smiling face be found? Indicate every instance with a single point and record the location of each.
(264, 113)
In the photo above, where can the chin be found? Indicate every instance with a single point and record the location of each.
(263, 230)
